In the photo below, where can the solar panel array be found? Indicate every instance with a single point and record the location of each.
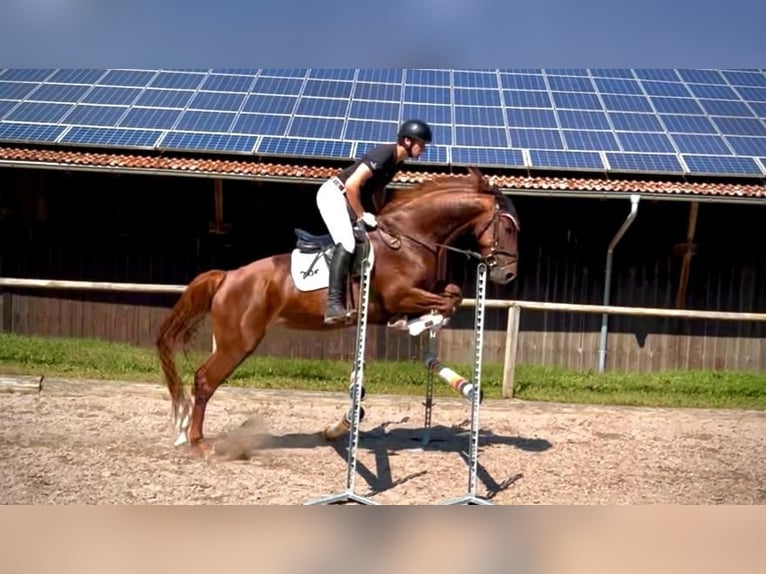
(670, 121)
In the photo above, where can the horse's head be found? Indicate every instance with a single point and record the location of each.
(497, 233)
(439, 210)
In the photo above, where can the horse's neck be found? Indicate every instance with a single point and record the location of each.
(439, 219)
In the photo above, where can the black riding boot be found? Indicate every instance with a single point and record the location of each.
(336, 292)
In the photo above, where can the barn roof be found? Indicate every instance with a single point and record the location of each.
(253, 169)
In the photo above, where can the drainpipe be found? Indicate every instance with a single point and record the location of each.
(608, 279)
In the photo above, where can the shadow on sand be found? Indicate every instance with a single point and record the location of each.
(383, 440)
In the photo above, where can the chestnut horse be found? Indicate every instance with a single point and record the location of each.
(414, 228)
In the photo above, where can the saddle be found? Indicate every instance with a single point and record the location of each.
(310, 243)
(321, 247)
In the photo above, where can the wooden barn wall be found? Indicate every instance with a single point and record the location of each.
(156, 229)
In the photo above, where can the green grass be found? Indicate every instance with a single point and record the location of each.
(113, 361)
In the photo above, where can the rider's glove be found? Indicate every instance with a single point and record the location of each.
(369, 220)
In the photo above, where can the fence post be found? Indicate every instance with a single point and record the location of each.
(511, 349)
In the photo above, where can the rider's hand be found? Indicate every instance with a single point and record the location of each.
(369, 220)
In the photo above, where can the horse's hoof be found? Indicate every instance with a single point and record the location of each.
(182, 439)
(201, 447)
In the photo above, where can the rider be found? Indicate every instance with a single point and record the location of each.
(357, 192)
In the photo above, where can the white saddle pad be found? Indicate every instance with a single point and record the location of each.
(310, 272)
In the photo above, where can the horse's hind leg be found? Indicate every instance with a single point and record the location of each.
(213, 371)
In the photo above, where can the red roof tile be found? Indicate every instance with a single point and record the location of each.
(257, 169)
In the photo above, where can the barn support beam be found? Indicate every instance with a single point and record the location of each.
(217, 225)
(687, 250)
(634, 199)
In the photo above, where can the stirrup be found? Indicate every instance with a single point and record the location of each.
(345, 317)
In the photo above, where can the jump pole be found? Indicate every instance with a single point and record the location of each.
(349, 495)
(476, 393)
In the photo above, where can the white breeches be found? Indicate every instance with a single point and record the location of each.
(334, 211)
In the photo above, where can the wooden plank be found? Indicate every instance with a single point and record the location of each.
(20, 384)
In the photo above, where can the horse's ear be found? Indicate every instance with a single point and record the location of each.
(474, 171)
(484, 182)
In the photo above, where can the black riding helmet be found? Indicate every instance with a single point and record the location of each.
(415, 129)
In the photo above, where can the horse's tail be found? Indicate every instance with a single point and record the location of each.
(178, 328)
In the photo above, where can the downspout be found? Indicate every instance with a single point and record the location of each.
(608, 279)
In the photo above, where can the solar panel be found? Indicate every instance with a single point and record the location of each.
(740, 126)
(374, 110)
(523, 82)
(474, 79)
(322, 107)
(110, 95)
(531, 118)
(304, 147)
(487, 156)
(428, 77)
(325, 128)
(227, 83)
(698, 143)
(545, 158)
(220, 101)
(127, 77)
(177, 80)
(384, 92)
(159, 118)
(480, 136)
(268, 124)
(111, 137)
(39, 112)
(582, 120)
(590, 140)
(391, 76)
(26, 75)
(645, 142)
(29, 133)
(5, 105)
(208, 142)
(688, 124)
(15, 90)
(433, 114)
(58, 93)
(720, 165)
(96, 115)
(644, 162)
(164, 98)
(747, 145)
(269, 104)
(76, 76)
(530, 139)
(194, 120)
(479, 116)
(370, 130)
(579, 119)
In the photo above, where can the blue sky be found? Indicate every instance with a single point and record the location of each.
(392, 33)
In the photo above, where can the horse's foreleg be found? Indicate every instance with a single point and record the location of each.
(415, 300)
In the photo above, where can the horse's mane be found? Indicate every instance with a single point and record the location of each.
(443, 184)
